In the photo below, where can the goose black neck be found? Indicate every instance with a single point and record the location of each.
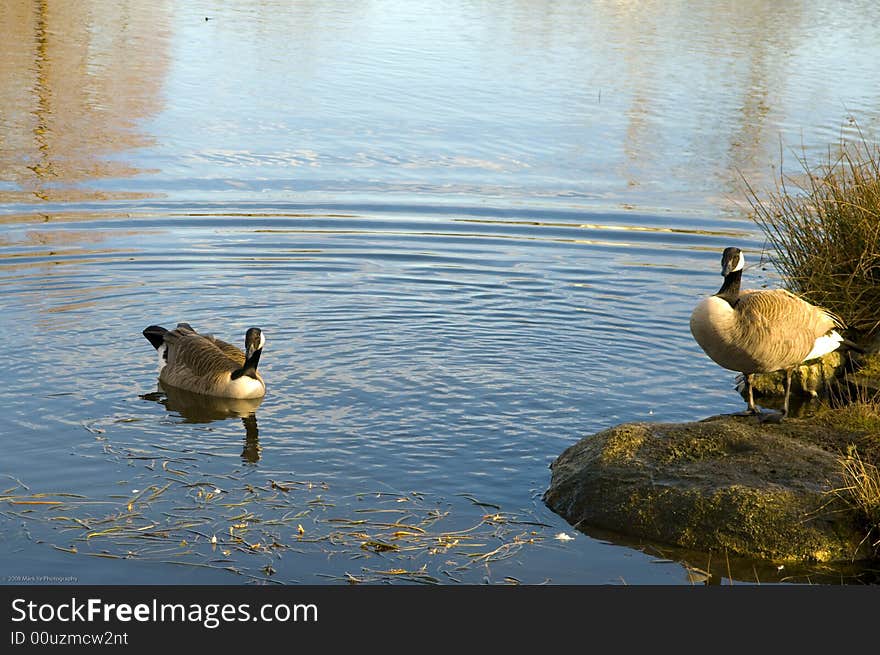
(729, 291)
(250, 366)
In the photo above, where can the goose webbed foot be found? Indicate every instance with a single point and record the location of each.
(771, 417)
(754, 411)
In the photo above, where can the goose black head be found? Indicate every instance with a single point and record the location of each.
(253, 341)
(731, 260)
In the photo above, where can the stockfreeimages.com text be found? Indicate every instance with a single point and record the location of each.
(210, 615)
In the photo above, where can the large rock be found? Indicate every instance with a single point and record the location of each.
(727, 483)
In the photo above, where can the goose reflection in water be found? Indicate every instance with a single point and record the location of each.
(198, 408)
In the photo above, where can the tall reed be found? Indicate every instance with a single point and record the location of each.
(824, 227)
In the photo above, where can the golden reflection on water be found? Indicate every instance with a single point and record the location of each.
(61, 238)
(597, 226)
(660, 100)
(709, 91)
(76, 78)
(747, 57)
(44, 249)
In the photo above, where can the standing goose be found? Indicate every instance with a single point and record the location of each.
(204, 364)
(760, 331)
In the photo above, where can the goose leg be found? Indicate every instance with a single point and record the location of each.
(787, 392)
(748, 381)
(752, 410)
(774, 417)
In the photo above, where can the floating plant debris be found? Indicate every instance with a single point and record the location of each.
(176, 514)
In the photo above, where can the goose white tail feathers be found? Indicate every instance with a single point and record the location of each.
(824, 345)
(206, 365)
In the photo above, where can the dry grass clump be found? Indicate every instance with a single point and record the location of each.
(861, 490)
(825, 230)
(854, 419)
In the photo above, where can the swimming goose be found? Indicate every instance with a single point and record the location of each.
(761, 331)
(204, 364)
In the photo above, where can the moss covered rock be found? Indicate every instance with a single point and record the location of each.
(725, 483)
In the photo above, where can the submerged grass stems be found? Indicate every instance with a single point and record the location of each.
(185, 517)
(824, 227)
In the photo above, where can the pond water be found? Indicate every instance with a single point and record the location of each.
(472, 233)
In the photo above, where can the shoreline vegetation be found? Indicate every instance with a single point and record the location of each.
(808, 489)
(824, 228)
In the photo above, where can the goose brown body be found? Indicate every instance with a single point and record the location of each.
(207, 365)
(760, 331)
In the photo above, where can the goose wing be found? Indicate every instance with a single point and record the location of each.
(232, 352)
(795, 302)
(779, 328)
(199, 354)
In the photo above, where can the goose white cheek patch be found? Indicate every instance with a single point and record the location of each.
(740, 264)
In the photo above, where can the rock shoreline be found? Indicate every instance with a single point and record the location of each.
(725, 483)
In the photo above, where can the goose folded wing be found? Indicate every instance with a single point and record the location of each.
(232, 352)
(201, 355)
(778, 328)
